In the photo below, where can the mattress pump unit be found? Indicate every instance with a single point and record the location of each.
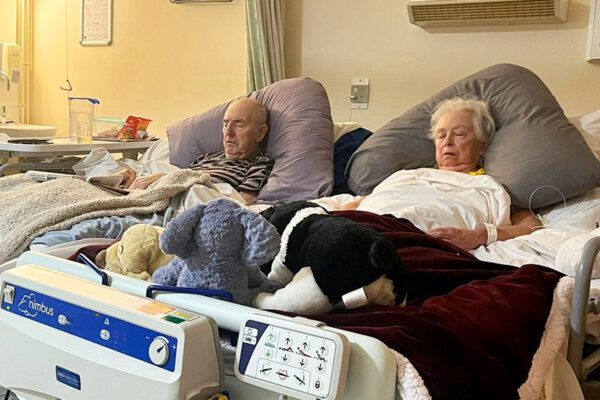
(63, 337)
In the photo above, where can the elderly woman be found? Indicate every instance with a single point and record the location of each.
(461, 129)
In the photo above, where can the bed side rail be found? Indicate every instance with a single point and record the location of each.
(579, 309)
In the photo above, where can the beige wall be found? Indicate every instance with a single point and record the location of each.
(167, 61)
(335, 40)
(8, 33)
(8, 21)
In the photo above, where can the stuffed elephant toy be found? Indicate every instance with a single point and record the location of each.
(219, 245)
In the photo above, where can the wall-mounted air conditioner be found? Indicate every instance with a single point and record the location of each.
(428, 13)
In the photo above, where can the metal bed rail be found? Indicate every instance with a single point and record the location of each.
(579, 312)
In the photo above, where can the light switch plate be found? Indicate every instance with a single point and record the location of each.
(359, 92)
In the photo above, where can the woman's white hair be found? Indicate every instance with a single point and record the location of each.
(483, 122)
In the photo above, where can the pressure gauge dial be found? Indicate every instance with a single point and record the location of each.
(159, 351)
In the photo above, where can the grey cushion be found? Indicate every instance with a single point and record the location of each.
(300, 139)
(534, 144)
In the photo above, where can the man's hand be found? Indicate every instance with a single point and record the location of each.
(145, 181)
(128, 177)
(467, 239)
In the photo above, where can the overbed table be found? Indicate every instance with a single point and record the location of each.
(54, 156)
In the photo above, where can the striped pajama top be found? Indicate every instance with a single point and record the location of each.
(245, 175)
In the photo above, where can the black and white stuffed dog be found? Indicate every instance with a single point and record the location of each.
(326, 260)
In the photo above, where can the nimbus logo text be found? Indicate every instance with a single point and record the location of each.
(30, 307)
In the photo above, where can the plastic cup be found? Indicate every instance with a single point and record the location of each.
(82, 111)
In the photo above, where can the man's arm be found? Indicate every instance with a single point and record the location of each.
(145, 181)
(128, 177)
(131, 182)
(523, 223)
(249, 197)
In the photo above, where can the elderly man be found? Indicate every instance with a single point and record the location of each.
(242, 164)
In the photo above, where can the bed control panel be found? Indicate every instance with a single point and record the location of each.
(294, 357)
(133, 340)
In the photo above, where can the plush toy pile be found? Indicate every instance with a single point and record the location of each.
(321, 261)
(325, 259)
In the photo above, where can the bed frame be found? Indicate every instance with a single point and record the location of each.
(372, 367)
(580, 309)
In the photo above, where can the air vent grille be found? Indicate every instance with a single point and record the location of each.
(512, 11)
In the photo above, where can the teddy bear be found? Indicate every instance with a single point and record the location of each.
(137, 254)
(329, 261)
(219, 245)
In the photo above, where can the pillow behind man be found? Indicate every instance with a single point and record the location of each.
(300, 139)
(534, 144)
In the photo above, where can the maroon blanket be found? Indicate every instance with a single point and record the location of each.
(471, 327)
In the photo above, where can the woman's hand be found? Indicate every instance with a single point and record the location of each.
(145, 181)
(522, 223)
(128, 177)
(467, 239)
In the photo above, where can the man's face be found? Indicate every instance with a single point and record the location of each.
(241, 134)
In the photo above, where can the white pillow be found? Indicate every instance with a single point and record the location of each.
(159, 151)
(341, 128)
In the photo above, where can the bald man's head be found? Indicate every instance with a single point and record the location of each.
(244, 127)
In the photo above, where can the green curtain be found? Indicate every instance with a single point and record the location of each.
(264, 26)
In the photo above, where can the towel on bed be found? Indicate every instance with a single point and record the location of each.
(29, 209)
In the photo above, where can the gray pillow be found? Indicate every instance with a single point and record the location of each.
(534, 144)
(300, 139)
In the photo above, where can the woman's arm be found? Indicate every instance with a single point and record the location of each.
(523, 223)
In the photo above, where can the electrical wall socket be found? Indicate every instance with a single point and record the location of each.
(359, 93)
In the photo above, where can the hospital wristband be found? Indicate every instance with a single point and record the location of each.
(492, 233)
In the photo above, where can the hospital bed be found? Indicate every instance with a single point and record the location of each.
(373, 368)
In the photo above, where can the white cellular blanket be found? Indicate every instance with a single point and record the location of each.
(432, 198)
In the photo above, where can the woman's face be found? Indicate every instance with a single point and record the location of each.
(456, 146)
